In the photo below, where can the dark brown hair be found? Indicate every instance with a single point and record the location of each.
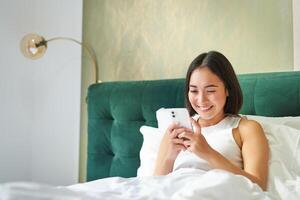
(220, 66)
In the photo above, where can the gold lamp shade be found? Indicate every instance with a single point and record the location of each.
(33, 46)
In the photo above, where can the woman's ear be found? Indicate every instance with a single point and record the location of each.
(227, 93)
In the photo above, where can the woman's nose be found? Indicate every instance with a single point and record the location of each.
(201, 97)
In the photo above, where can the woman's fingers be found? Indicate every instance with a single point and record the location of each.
(178, 144)
(177, 141)
(196, 126)
(180, 147)
(187, 143)
(176, 132)
(186, 135)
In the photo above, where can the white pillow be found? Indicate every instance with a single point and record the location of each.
(148, 154)
(293, 122)
(284, 163)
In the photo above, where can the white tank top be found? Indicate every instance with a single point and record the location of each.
(220, 138)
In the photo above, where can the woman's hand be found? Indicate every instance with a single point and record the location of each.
(195, 142)
(174, 143)
(169, 149)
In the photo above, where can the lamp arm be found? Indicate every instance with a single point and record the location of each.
(90, 51)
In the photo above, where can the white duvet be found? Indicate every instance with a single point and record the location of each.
(189, 184)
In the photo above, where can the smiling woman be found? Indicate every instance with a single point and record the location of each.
(220, 139)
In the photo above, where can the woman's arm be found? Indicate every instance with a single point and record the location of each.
(163, 165)
(255, 152)
(170, 147)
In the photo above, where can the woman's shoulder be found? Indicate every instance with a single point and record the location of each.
(245, 122)
(249, 127)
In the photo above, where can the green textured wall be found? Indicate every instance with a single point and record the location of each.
(155, 39)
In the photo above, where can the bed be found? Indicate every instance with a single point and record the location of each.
(117, 110)
(119, 149)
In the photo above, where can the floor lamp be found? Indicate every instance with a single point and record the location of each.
(34, 46)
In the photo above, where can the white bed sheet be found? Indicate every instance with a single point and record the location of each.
(184, 184)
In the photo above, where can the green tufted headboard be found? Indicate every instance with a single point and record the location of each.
(116, 111)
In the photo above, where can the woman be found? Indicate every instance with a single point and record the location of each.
(220, 138)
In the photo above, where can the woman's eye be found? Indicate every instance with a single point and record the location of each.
(193, 91)
(211, 91)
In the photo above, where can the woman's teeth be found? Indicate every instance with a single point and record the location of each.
(205, 108)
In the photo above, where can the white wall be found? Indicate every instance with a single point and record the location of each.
(40, 100)
(296, 30)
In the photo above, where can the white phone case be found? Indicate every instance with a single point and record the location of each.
(166, 116)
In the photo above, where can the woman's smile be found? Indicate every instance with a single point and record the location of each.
(204, 108)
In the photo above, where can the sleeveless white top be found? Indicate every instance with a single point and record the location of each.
(220, 138)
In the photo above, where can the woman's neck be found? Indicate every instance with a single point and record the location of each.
(210, 122)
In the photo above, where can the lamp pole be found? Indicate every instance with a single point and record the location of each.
(88, 49)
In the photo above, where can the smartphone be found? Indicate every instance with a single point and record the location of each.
(167, 116)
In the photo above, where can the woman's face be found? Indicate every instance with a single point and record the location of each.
(207, 95)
